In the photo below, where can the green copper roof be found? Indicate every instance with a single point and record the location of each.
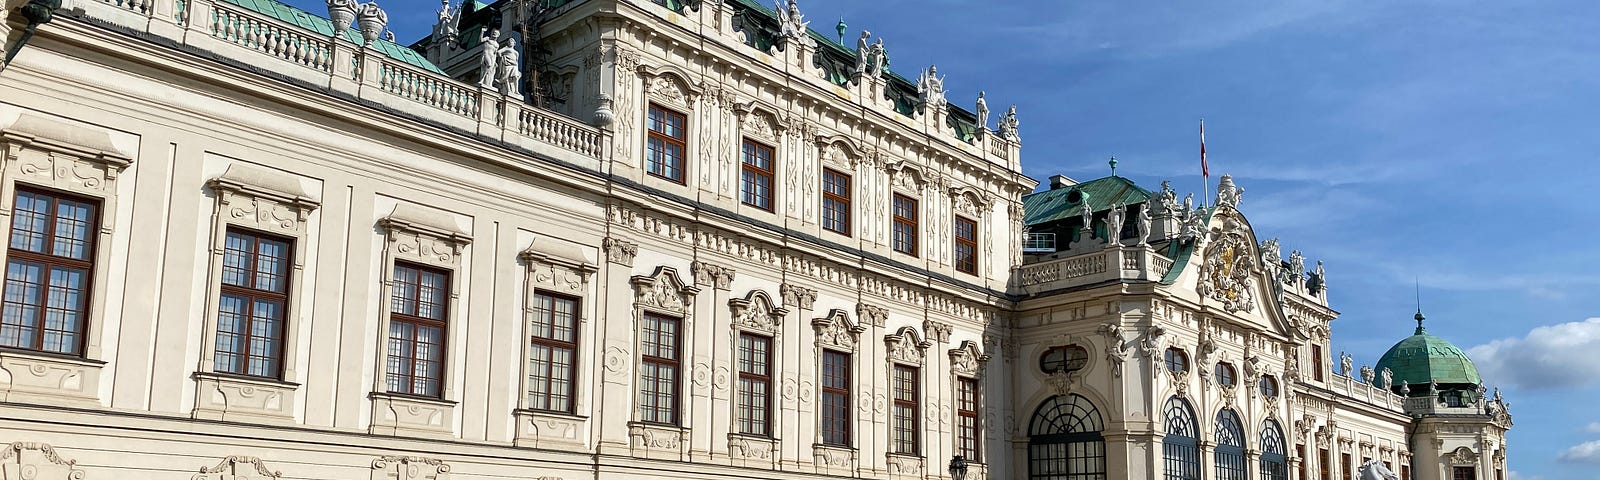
(323, 26)
(1058, 204)
(1421, 358)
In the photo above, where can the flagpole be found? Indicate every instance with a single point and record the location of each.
(1205, 170)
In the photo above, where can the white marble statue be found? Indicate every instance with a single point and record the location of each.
(371, 20)
(447, 29)
(510, 72)
(1169, 198)
(930, 87)
(863, 52)
(1088, 221)
(983, 113)
(1388, 378)
(1188, 202)
(1297, 267)
(880, 59)
(1345, 362)
(1114, 221)
(1271, 256)
(488, 58)
(1374, 470)
(1227, 193)
(1008, 124)
(791, 23)
(1144, 223)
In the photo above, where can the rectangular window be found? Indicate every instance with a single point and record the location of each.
(658, 370)
(905, 225)
(250, 312)
(755, 384)
(665, 144)
(905, 428)
(1324, 464)
(835, 202)
(1405, 472)
(1316, 362)
(417, 329)
(552, 351)
(1344, 464)
(835, 398)
(966, 233)
(1305, 463)
(50, 260)
(1464, 473)
(967, 419)
(755, 183)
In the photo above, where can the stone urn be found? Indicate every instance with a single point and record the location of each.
(371, 20)
(602, 113)
(341, 12)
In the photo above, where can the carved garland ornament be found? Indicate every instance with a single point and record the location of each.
(835, 331)
(967, 360)
(906, 347)
(237, 466)
(756, 312)
(662, 291)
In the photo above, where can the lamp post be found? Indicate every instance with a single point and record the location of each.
(958, 468)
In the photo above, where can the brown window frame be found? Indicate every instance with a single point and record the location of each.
(841, 205)
(1324, 464)
(1344, 464)
(968, 434)
(250, 295)
(747, 400)
(679, 164)
(417, 322)
(842, 435)
(554, 345)
(1227, 376)
(1177, 360)
(1305, 462)
(905, 223)
(906, 441)
(970, 264)
(1405, 472)
(749, 173)
(48, 262)
(1316, 362)
(671, 410)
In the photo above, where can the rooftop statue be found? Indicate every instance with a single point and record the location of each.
(1144, 223)
(1169, 198)
(1297, 266)
(880, 59)
(1271, 256)
(1388, 378)
(488, 58)
(1087, 215)
(447, 29)
(1008, 124)
(510, 73)
(791, 23)
(371, 19)
(1374, 470)
(341, 13)
(1114, 221)
(1227, 193)
(983, 113)
(863, 52)
(1345, 362)
(930, 88)
(1188, 202)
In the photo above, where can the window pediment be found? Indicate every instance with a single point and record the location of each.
(62, 155)
(559, 267)
(424, 236)
(262, 199)
(970, 201)
(907, 347)
(756, 312)
(663, 291)
(967, 360)
(836, 331)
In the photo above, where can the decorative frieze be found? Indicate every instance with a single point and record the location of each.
(35, 460)
(796, 296)
(872, 314)
(49, 380)
(401, 467)
(243, 399)
(619, 251)
(236, 467)
(711, 275)
(835, 331)
(756, 313)
(403, 416)
(906, 347)
(424, 236)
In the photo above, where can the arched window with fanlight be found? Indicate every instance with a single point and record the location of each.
(1274, 459)
(1064, 440)
(1181, 445)
(1230, 446)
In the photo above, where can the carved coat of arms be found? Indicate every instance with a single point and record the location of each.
(1225, 272)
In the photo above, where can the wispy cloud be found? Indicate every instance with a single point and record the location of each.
(1548, 357)
(1586, 452)
(1594, 427)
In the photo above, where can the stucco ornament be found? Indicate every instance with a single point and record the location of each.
(372, 21)
(1228, 194)
(791, 23)
(1008, 125)
(341, 13)
(1225, 274)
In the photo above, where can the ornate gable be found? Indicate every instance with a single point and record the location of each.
(906, 347)
(966, 360)
(663, 292)
(756, 312)
(836, 331)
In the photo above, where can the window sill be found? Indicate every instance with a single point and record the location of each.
(904, 464)
(752, 449)
(50, 379)
(232, 397)
(550, 430)
(834, 457)
(649, 440)
(407, 415)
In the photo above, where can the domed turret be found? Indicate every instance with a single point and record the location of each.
(1421, 359)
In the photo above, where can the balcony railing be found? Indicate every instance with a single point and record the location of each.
(1116, 263)
(335, 65)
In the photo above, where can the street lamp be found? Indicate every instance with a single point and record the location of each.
(958, 468)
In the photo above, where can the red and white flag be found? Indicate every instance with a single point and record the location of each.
(1205, 171)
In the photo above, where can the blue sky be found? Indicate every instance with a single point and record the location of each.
(1447, 142)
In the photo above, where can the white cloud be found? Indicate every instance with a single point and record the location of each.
(1586, 452)
(1551, 356)
(1515, 475)
(1594, 427)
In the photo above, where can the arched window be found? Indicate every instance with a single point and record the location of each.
(1068, 358)
(1274, 463)
(1180, 446)
(1230, 446)
(1225, 375)
(1064, 441)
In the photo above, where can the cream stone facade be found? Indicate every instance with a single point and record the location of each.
(726, 247)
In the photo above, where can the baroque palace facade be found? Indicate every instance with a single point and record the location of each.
(248, 242)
